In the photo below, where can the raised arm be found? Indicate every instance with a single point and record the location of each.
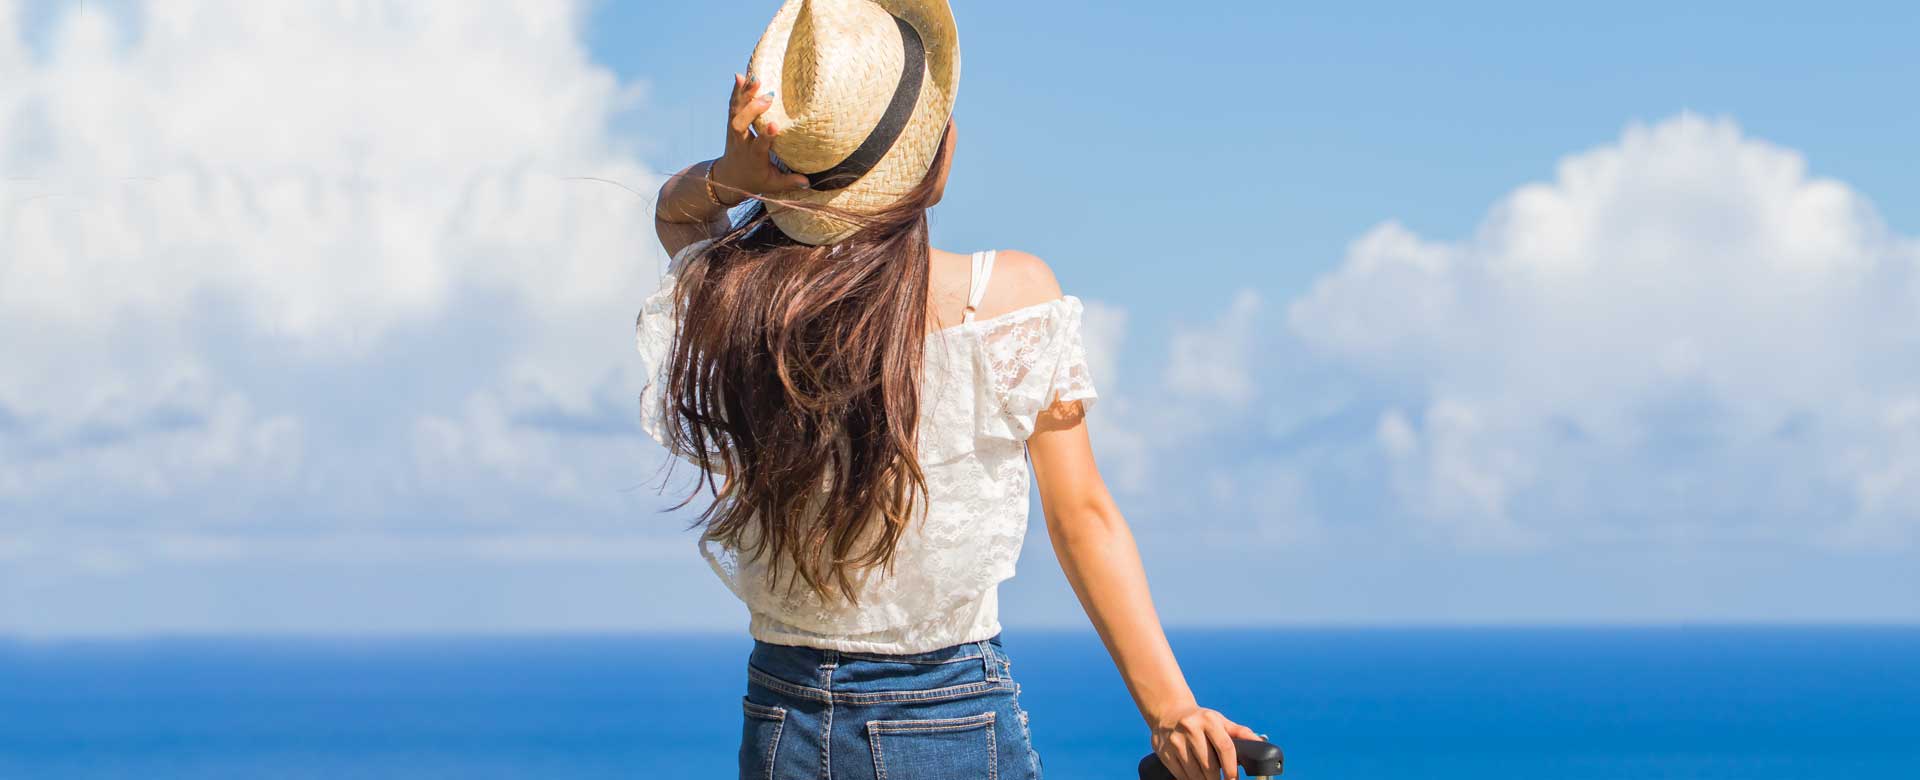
(693, 203)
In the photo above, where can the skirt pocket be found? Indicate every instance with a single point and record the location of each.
(943, 747)
(760, 739)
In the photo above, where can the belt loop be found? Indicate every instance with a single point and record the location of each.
(829, 661)
(986, 658)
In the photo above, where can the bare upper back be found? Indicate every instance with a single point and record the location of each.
(1018, 280)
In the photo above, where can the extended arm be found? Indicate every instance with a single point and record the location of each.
(1101, 561)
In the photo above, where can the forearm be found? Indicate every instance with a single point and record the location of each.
(691, 207)
(684, 212)
(1101, 561)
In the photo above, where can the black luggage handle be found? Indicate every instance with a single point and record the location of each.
(1257, 759)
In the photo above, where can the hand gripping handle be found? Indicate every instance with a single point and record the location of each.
(1257, 759)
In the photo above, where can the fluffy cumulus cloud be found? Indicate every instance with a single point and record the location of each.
(1682, 341)
(274, 271)
(1684, 335)
(1677, 380)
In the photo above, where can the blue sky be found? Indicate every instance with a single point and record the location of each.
(1264, 136)
(1501, 312)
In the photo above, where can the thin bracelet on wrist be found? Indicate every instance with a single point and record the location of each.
(707, 181)
(711, 195)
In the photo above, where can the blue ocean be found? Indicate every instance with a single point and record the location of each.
(1560, 703)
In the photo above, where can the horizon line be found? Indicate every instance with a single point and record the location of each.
(271, 635)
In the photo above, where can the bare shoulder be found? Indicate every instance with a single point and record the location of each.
(1019, 280)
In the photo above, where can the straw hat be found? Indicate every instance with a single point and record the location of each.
(862, 93)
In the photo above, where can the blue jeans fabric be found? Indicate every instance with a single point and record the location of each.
(829, 715)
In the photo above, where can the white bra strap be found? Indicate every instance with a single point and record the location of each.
(977, 288)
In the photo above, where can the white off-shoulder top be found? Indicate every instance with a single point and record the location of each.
(985, 383)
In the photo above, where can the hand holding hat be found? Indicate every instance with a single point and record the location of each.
(746, 169)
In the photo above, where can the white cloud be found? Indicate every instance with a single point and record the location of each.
(1125, 459)
(12, 49)
(1183, 452)
(1683, 332)
(1214, 363)
(317, 263)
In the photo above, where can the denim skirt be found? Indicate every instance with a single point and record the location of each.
(830, 715)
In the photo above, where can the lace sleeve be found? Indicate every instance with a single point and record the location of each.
(654, 331)
(1030, 362)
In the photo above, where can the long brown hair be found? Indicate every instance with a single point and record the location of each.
(796, 372)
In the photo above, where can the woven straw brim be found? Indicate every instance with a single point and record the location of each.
(868, 76)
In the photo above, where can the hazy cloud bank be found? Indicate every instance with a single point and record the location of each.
(274, 269)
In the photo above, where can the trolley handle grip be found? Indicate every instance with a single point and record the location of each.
(1257, 759)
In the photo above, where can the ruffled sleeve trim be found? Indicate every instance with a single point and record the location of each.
(1027, 364)
(654, 332)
